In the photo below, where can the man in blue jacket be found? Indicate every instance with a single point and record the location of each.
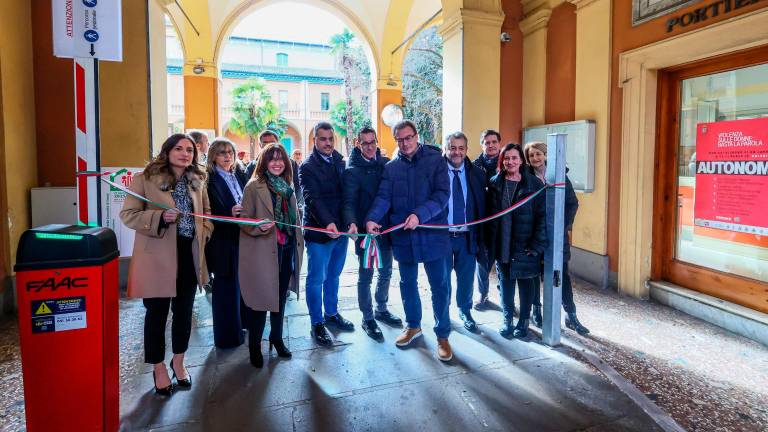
(320, 180)
(466, 204)
(414, 190)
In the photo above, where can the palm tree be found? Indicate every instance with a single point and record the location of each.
(341, 47)
(253, 111)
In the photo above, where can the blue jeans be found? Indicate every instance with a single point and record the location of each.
(365, 280)
(463, 262)
(437, 274)
(483, 272)
(325, 261)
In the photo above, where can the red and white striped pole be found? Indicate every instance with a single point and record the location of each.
(86, 75)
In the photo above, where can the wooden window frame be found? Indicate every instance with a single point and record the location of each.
(737, 289)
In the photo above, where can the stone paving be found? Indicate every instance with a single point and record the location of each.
(706, 378)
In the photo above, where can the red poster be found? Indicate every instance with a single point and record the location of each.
(732, 176)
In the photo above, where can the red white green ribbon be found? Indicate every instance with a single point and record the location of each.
(369, 241)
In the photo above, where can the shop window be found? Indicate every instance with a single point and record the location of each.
(718, 224)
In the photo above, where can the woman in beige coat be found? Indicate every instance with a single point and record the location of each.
(168, 252)
(270, 253)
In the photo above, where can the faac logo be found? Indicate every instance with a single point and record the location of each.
(51, 283)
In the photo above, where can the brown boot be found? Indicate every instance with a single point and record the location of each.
(444, 351)
(407, 336)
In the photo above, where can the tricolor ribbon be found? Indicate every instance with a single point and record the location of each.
(369, 242)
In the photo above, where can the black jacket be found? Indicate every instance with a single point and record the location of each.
(489, 166)
(476, 185)
(321, 185)
(221, 249)
(571, 207)
(361, 182)
(529, 231)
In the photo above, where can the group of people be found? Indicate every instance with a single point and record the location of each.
(252, 267)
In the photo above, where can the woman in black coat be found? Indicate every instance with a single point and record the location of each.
(536, 158)
(516, 241)
(226, 181)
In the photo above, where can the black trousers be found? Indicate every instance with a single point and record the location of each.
(568, 304)
(181, 306)
(257, 320)
(526, 290)
(225, 307)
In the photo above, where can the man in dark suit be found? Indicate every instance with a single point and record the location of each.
(466, 204)
(488, 161)
(361, 182)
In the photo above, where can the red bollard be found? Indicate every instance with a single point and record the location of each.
(67, 285)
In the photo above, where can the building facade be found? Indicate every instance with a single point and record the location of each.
(303, 80)
(649, 74)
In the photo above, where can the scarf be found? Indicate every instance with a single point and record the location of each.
(283, 211)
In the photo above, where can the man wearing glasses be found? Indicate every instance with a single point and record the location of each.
(361, 181)
(414, 190)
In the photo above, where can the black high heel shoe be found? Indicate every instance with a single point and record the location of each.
(165, 391)
(282, 350)
(186, 382)
(257, 359)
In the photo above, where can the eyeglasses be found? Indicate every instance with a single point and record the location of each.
(404, 139)
(225, 153)
(367, 143)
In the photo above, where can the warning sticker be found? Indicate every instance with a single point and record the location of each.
(58, 314)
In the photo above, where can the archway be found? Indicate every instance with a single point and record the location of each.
(295, 58)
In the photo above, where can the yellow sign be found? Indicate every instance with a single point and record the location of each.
(43, 310)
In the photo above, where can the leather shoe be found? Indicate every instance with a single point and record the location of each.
(444, 351)
(506, 330)
(407, 336)
(387, 318)
(521, 329)
(321, 335)
(372, 329)
(469, 322)
(340, 322)
(572, 322)
(482, 304)
(536, 316)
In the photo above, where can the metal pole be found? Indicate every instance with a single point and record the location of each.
(553, 257)
(86, 74)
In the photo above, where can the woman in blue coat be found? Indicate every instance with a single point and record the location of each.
(226, 181)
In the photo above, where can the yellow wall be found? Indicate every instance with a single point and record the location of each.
(593, 69)
(534, 28)
(385, 97)
(200, 102)
(124, 94)
(20, 168)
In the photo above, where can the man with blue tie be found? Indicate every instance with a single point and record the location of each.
(466, 204)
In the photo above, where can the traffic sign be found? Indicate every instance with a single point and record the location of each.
(88, 29)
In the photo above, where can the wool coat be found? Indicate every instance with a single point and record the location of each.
(257, 263)
(153, 266)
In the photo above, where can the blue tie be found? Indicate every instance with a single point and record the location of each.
(458, 199)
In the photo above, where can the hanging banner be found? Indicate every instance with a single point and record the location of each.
(112, 199)
(88, 29)
(732, 176)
